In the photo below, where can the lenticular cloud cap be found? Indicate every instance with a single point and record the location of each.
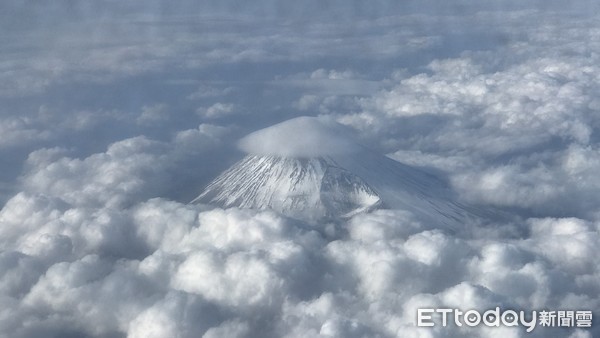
(300, 137)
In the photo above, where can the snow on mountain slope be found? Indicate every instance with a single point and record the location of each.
(310, 168)
(307, 188)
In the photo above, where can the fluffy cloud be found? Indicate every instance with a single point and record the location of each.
(217, 110)
(509, 132)
(162, 268)
(102, 146)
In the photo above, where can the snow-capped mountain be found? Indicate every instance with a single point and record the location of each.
(310, 168)
(308, 188)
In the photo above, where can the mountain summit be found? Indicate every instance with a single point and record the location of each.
(311, 168)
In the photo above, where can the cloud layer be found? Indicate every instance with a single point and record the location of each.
(115, 115)
(161, 268)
